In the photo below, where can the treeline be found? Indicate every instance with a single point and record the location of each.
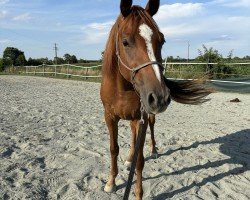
(210, 55)
(15, 57)
(234, 59)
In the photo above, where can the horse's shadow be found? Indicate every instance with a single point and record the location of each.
(235, 146)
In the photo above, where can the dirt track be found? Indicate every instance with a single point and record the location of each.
(54, 145)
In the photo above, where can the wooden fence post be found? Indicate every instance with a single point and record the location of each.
(165, 66)
(43, 68)
(207, 68)
(86, 74)
(68, 70)
(55, 70)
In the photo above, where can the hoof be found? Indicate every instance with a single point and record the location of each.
(110, 188)
(154, 155)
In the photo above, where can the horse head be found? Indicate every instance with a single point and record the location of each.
(138, 50)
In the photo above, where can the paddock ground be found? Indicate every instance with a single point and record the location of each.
(54, 145)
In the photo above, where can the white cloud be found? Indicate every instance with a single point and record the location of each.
(4, 41)
(3, 1)
(178, 10)
(179, 30)
(98, 26)
(223, 38)
(58, 24)
(3, 13)
(239, 19)
(175, 20)
(22, 17)
(94, 37)
(96, 33)
(195, 23)
(233, 3)
(224, 47)
(202, 26)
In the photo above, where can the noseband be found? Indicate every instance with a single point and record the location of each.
(133, 71)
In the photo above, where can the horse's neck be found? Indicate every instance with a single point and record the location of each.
(122, 84)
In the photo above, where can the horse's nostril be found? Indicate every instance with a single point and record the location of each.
(152, 99)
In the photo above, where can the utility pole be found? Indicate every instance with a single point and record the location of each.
(56, 49)
(188, 50)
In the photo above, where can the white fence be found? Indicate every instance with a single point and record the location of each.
(41, 69)
(54, 70)
(170, 65)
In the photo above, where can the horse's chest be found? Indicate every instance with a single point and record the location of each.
(127, 106)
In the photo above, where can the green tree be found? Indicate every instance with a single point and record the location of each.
(33, 62)
(1, 65)
(60, 61)
(20, 61)
(44, 61)
(170, 58)
(82, 60)
(211, 55)
(70, 58)
(10, 56)
(247, 58)
(39, 61)
(74, 59)
(230, 55)
(67, 58)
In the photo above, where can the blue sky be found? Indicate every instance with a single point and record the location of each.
(81, 27)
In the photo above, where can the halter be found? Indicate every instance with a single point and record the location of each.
(133, 71)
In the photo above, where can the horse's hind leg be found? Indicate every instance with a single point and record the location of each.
(151, 121)
(114, 150)
(133, 125)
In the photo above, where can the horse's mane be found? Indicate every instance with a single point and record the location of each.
(137, 14)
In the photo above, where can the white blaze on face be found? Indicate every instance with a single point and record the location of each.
(146, 32)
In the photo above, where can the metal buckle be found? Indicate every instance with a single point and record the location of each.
(142, 111)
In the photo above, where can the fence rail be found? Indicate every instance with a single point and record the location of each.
(56, 70)
(210, 80)
(202, 63)
(174, 70)
(205, 70)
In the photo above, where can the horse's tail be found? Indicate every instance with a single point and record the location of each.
(188, 92)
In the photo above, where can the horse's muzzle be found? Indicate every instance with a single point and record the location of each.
(156, 102)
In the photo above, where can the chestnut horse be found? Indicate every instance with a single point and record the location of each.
(133, 85)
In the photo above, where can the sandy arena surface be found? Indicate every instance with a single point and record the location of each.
(55, 145)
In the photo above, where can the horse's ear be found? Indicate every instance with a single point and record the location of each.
(125, 7)
(152, 7)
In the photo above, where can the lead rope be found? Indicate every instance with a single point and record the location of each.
(133, 72)
(133, 164)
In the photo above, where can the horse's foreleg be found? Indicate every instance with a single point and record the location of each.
(140, 164)
(151, 121)
(114, 150)
(133, 125)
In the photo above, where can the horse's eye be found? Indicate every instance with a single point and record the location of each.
(125, 43)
